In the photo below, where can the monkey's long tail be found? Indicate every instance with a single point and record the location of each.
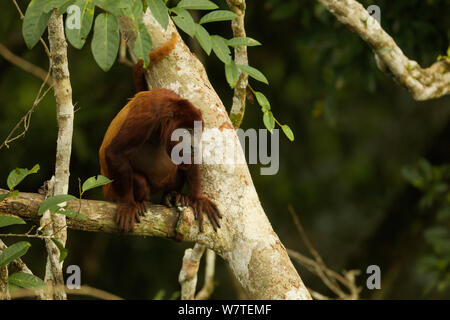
(155, 55)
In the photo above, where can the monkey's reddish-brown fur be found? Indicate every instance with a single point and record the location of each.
(155, 56)
(135, 154)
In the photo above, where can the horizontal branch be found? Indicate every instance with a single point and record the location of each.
(423, 83)
(159, 221)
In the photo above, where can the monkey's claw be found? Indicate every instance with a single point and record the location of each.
(126, 215)
(176, 199)
(142, 208)
(204, 205)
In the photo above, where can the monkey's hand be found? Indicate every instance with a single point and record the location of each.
(203, 205)
(126, 215)
(200, 206)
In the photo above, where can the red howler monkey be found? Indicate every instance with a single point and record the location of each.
(135, 152)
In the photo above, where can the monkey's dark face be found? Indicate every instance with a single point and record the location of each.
(181, 130)
(186, 142)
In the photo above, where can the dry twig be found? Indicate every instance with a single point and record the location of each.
(330, 278)
(27, 117)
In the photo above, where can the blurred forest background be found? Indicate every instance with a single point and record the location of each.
(368, 172)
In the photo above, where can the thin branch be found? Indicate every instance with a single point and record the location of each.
(347, 279)
(330, 278)
(64, 113)
(24, 235)
(188, 273)
(424, 84)
(26, 119)
(35, 236)
(25, 65)
(240, 57)
(123, 53)
(329, 282)
(303, 234)
(208, 286)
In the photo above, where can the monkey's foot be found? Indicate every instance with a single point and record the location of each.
(204, 205)
(126, 215)
(200, 206)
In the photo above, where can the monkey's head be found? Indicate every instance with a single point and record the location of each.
(183, 131)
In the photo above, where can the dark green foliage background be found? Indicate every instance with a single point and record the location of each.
(355, 130)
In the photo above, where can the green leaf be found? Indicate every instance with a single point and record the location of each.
(63, 252)
(13, 252)
(138, 11)
(57, 4)
(134, 12)
(77, 37)
(113, 6)
(25, 280)
(35, 22)
(159, 11)
(232, 74)
(10, 220)
(18, 174)
(221, 49)
(197, 5)
(288, 132)
(71, 214)
(143, 44)
(218, 15)
(94, 182)
(12, 287)
(175, 295)
(52, 4)
(11, 194)
(269, 121)
(106, 39)
(262, 101)
(184, 21)
(159, 295)
(52, 203)
(203, 38)
(254, 73)
(243, 41)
